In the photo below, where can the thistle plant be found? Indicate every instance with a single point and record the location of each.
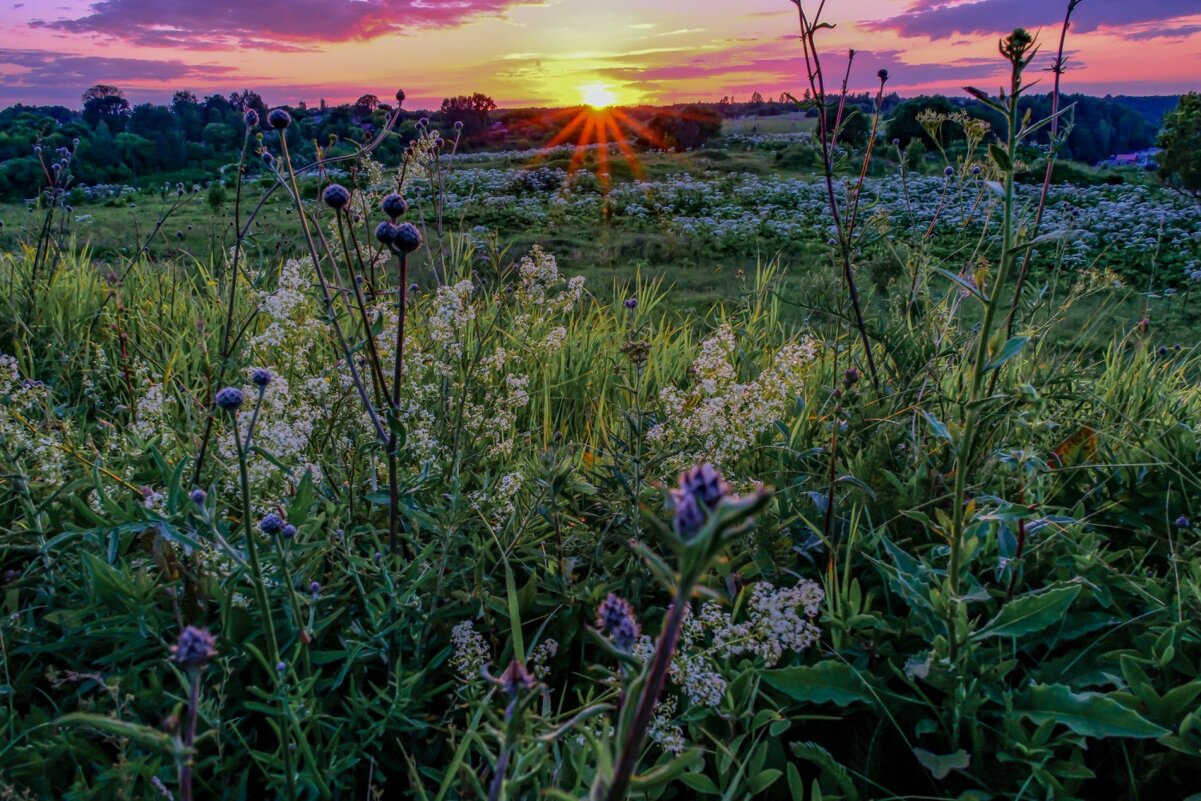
(704, 514)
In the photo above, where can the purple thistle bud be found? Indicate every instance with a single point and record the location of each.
(400, 95)
(271, 524)
(315, 588)
(280, 666)
(701, 489)
(1183, 522)
(615, 619)
(198, 496)
(336, 196)
(516, 679)
(195, 647)
(414, 287)
(407, 239)
(949, 171)
(631, 302)
(279, 119)
(267, 157)
(288, 531)
(975, 169)
(439, 142)
(261, 377)
(229, 399)
(394, 205)
(385, 232)
(896, 142)
(251, 117)
(882, 75)
(458, 125)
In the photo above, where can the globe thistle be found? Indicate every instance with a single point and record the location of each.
(394, 205)
(385, 232)
(261, 377)
(267, 157)
(271, 524)
(288, 531)
(336, 196)
(251, 118)
(279, 119)
(195, 647)
(896, 142)
(280, 666)
(631, 302)
(458, 125)
(700, 490)
(198, 496)
(949, 171)
(882, 75)
(315, 589)
(229, 399)
(1183, 522)
(975, 169)
(615, 619)
(400, 95)
(407, 239)
(515, 679)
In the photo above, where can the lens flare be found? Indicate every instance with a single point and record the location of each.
(598, 95)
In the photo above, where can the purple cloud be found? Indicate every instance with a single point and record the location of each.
(213, 24)
(42, 75)
(939, 18)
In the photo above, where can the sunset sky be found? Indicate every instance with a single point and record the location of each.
(543, 53)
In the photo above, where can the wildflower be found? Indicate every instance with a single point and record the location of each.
(198, 496)
(471, 651)
(251, 118)
(400, 95)
(279, 119)
(315, 588)
(949, 171)
(543, 653)
(385, 232)
(615, 619)
(229, 399)
(701, 489)
(280, 666)
(407, 239)
(1183, 522)
(267, 157)
(458, 125)
(975, 169)
(261, 377)
(288, 531)
(394, 205)
(631, 302)
(271, 524)
(195, 647)
(515, 679)
(882, 75)
(336, 196)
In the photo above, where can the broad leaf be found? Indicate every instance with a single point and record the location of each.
(1090, 714)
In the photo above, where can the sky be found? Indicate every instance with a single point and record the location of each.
(545, 52)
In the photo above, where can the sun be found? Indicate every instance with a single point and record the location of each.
(598, 95)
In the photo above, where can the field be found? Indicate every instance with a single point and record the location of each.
(776, 468)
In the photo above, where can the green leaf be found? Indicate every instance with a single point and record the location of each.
(145, 736)
(1010, 349)
(700, 783)
(1000, 157)
(1090, 714)
(937, 426)
(940, 765)
(1030, 613)
(824, 683)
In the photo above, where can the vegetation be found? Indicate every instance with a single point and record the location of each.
(355, 489)
(1180, 162)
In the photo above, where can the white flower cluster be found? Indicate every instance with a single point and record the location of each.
(718, 417)
(31, 440)
(540, 658)
(471, 651)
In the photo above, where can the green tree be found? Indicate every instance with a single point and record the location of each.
(107, 103)
(1180, 162)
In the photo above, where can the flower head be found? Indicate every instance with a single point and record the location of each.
(198, 496)
(385, 232)
(271, 523)
(394, 205)
(261, 377)
(1183, 522)
(279, 119)
(195, 647)
(288, 531)
(516, 678)
(336, 196)
(700, 490)
(251, 118)
(615, 619)
(631, 302)
(408, 238)
(229, 399)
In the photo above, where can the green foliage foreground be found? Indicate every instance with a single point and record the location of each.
(250, 552)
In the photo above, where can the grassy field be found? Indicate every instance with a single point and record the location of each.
(604, 483)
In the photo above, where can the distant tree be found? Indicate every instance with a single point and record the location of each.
(104, 102)
(183, 99)
(474, 111)
(685, 129)
(365, 106)
(903, 124)
(756, 97)
(245, 99)
(1180, 161)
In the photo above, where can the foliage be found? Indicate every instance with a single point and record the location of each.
(1180, 162)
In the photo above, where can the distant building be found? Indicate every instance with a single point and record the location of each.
(1140, 158)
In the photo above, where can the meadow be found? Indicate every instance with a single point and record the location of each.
(781, 468)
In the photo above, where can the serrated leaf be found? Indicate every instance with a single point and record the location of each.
(1029, 614)
(1089, 714)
